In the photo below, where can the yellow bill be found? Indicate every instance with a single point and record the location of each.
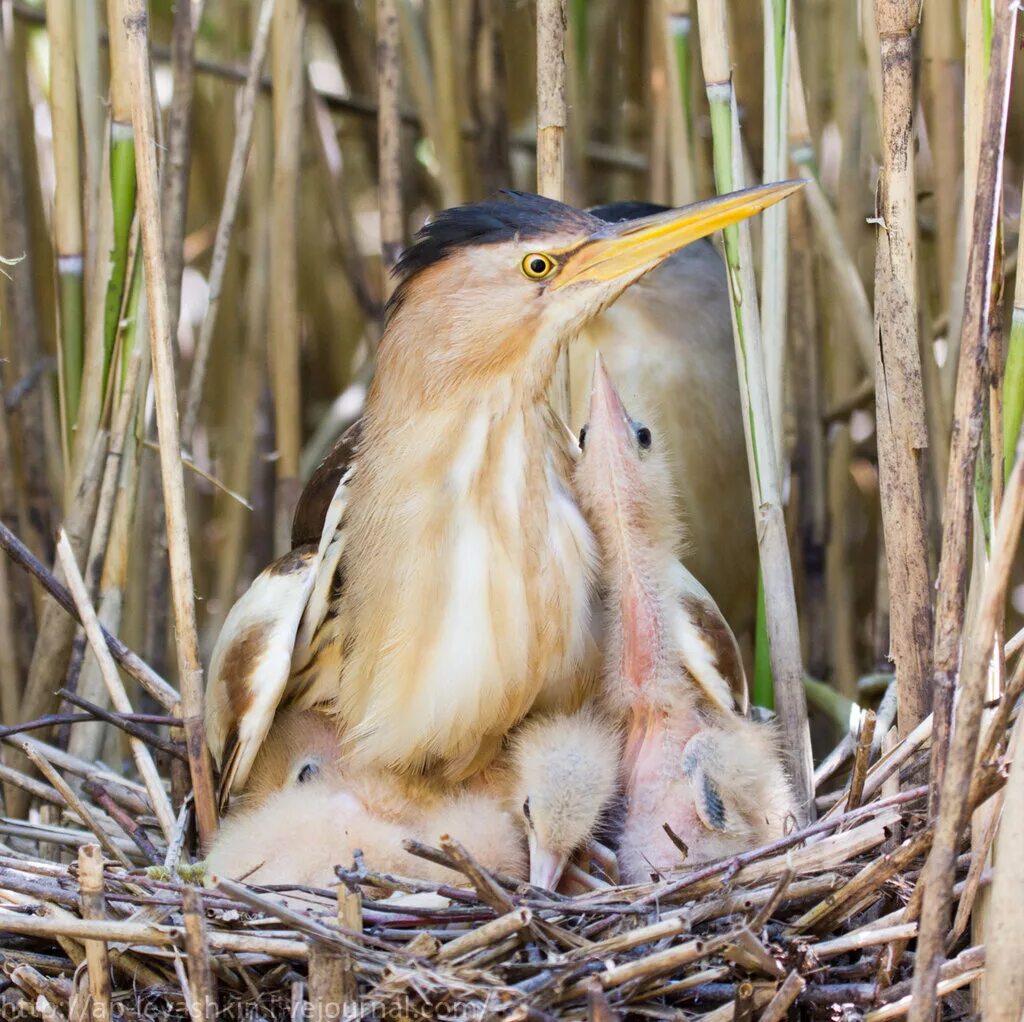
(630, 247)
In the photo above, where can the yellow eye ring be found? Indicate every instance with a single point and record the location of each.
(537, 266)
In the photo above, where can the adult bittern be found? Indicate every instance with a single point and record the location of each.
(464, 595)
(692, 759)
(667, 343)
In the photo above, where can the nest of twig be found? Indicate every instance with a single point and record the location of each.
(823, 920)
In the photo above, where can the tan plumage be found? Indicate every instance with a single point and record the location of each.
(269, 638)
(464, 592)
(565, 771)
(303, 813)
(692, 760)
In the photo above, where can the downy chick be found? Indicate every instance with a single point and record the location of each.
(303, 813)
(565, 771)
(692, 760)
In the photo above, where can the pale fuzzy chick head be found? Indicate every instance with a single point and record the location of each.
(302, 747)
(566, 775)
(623, 480)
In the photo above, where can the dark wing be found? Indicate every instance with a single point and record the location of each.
(317, 494)
(261, 660)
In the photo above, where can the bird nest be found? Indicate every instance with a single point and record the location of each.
(103, 917)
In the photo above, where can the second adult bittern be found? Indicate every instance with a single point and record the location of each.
(465, 589)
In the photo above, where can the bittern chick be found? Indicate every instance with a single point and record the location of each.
(565, 770)
(302, 814)
(691, 760)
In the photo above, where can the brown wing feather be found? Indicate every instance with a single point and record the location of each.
(278, 646)
(317, 494)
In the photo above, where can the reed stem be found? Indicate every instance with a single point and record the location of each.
(187, 645)
(782, 623)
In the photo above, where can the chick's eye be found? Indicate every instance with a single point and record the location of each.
(583, 437)
(526, 810)
(537, 266)
(643, 438)
(308, 772)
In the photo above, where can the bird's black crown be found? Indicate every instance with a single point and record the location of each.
(508, 216)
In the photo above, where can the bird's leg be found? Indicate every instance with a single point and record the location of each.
(577, 881)
(604, 858)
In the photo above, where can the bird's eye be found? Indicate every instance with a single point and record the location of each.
(643, 438)
(537, 266)
(583, 437)
(308, 772)
(526, 810)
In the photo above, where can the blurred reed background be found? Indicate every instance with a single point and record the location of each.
(282, 198)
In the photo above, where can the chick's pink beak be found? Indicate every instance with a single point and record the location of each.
(546, 866)
(608, 423)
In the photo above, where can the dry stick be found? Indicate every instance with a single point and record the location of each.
(176, 156)
(389, 138)
(74, 803)
(189, 668)
(339, 210)
(130, 826)
(127, 725)
(90, 881)
(350, 916)
(777, 572)
(87, 740)
(777, 1009)
(860, 760)
(131, 663)
(35, 500)
(779, 35)
(283, 320)
(970, 390)
(145, 934)
(909, 1006)
(900, 410)
(55, 633)
(1004, 982)
(118, 696)
(551, 121)
(937, 877)
(327, 967)
(225, 225)
(202, 991)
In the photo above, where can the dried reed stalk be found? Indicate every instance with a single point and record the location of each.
(67, 214)
(778, 30)
(118, 696)
(899, 406)
(187, 645)
(389, 138)
(225, 225)
(552, 118)
(176, 159)
(90, 881)
(780, 602)
(970, 392)
(937, 878)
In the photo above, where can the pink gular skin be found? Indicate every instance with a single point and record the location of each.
(660, 793)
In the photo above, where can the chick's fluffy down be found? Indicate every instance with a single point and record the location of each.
(299, 839)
